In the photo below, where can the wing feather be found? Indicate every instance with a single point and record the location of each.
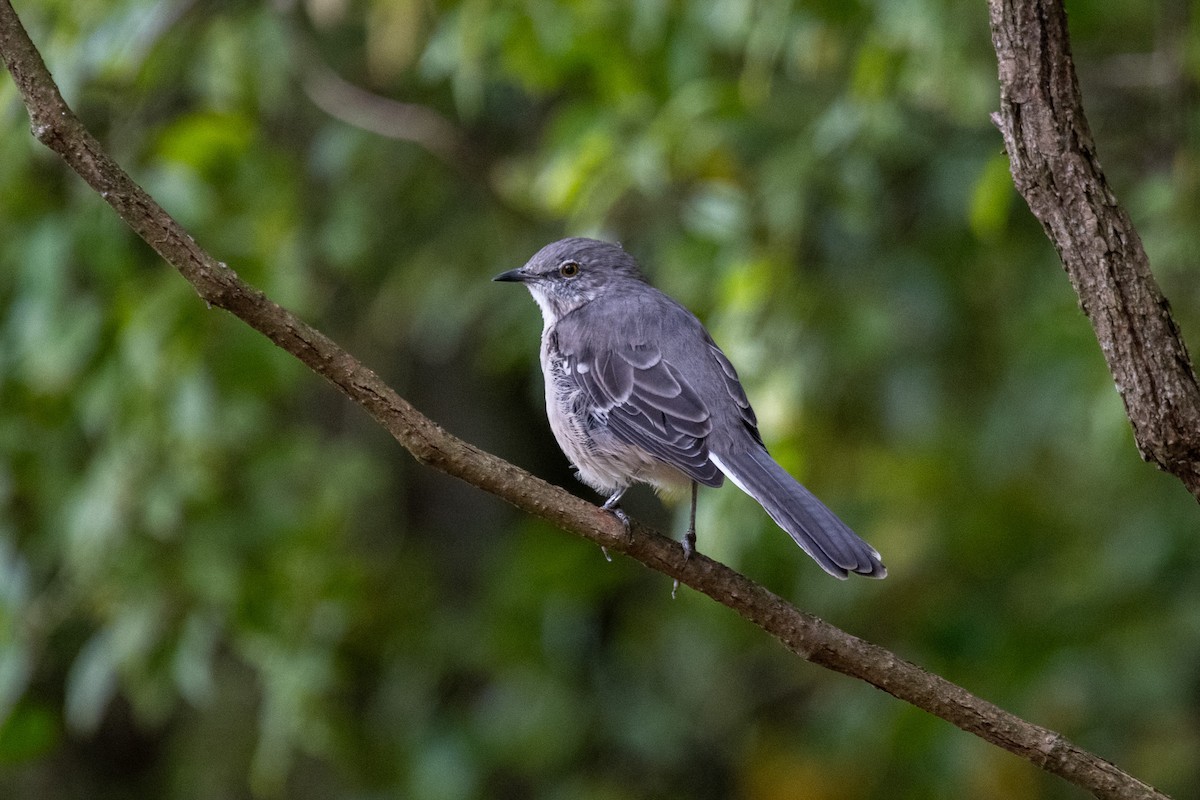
(645, 401)
(734, 387)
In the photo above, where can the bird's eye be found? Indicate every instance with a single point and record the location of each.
(568, 269)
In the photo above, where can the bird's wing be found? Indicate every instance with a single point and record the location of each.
(643, 399)
(736, 392)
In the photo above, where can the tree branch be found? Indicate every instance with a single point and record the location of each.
(811, 638)
(1054, 166)
(383, 116)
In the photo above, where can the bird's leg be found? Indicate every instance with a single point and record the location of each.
(613, 506)
(689, 536)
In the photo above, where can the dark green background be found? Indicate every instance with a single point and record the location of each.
(219, 579)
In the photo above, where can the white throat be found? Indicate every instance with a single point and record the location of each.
(549, 312)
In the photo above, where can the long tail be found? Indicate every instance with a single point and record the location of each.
(817, 530)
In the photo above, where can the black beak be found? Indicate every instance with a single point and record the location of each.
(512, 276)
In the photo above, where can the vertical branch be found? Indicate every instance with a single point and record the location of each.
(1055, 168)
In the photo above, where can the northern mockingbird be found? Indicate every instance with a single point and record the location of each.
(638, 392)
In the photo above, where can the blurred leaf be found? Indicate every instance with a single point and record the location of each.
(28, 733)
(992, 199)
(92, 683)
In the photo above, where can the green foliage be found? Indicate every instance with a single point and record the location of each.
(217, 579)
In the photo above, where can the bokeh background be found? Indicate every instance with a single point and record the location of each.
(219, 579)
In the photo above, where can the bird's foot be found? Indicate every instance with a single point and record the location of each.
(689, 548)
(612, 506)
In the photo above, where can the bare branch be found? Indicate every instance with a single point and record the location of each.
(1054, 166)
(366, 110)
(370, 112)
(393, 119)
(811, 638)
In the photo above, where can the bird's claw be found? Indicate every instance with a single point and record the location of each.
(611, 507)
(689, 545)
(689, 548)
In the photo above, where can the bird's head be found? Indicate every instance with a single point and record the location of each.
(569, 273)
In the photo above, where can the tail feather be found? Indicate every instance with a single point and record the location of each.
(817, 530)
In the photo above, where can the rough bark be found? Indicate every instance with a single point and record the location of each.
(1055, 168)
(811, 638)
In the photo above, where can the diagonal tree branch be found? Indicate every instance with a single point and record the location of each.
(1054, 165)
(811, 638)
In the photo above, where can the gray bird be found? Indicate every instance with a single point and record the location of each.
(638, 392)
